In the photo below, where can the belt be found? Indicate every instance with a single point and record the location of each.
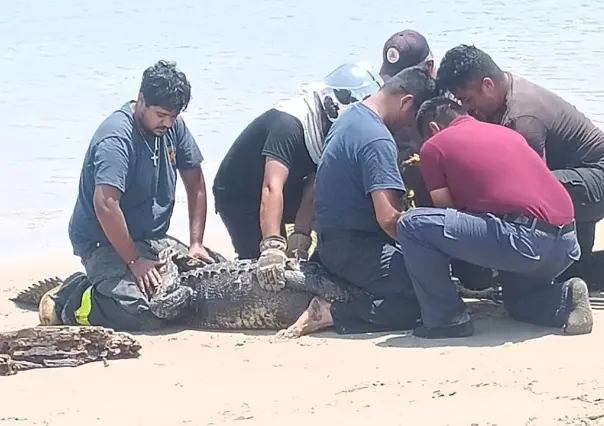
(539, 224)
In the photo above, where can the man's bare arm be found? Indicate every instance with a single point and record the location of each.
(197, 202)
(388, 208)
(442, 198)
(271, 205)
(306, 212)
(106, 201)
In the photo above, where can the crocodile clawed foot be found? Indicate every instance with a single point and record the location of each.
(171, 305)
(292, 264)
(316, 317)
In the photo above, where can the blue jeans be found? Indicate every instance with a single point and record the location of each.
(528, 261)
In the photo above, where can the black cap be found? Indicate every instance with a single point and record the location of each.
(403, 50)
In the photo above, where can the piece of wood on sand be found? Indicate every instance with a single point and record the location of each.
(62, 346)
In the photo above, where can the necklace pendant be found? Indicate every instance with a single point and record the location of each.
(154, 157)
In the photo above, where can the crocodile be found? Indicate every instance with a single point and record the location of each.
(226, 294)
(222, 295)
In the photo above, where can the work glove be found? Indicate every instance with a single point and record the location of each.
(270, 269)
(298, 245)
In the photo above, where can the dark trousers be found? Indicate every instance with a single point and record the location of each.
(586, 188)
(527, 259)
(110, 297)
(373, 268)
(242, 221)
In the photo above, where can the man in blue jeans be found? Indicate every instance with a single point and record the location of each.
(496, 205)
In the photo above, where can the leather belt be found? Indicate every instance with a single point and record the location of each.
(539, 224)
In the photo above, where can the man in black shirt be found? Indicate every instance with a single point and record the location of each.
(267, 177)
(571, 145)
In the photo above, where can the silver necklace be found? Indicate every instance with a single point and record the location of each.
(154, 156)
(154, 152)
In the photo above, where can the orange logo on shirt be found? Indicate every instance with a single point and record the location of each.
(172, 156)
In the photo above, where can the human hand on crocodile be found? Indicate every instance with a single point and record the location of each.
(198, 251)
(270, 268)
(146, 273)
(298, 245)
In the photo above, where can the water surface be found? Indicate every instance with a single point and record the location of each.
(66, 65)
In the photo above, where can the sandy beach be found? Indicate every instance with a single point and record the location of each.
(507, 374)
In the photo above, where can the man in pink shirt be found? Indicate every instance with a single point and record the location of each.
(497, 205)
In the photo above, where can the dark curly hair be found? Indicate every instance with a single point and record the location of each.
(464, 65)
(165, 86)
(441, 110)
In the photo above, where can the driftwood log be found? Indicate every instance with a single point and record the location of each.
(62, 346)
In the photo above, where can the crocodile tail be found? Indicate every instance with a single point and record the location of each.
(33, 294)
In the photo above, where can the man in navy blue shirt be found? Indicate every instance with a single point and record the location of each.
(125, 203)
(358, 199)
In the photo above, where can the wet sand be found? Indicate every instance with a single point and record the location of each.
(507, 374)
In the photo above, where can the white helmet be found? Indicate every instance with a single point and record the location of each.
(347, 84)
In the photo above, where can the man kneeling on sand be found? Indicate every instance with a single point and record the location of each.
(500, 208)
(125, 202)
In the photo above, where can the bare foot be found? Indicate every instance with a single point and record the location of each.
(316, 317)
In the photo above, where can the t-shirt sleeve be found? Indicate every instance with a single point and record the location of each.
(378, 161)
(284, 139)
(110, 161)
(431, 166)
(533, 130)
(188, 155)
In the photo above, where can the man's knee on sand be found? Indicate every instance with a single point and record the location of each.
(81, 303)
(110, 297)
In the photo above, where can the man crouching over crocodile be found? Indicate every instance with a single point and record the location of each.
(126, 200)
(358, 193)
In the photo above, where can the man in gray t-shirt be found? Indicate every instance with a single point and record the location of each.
(358, 199)
(571, 145)
(125, 202)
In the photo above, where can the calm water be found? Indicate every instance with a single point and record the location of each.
(65, 66)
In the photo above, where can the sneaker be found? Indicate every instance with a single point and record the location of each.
(580, 318)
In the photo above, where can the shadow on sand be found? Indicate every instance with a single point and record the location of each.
(493, 327)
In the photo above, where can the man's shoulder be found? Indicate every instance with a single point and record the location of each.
(528, 99)
(276, 120)
(117, 126)
(361, 126)
(469, 134)
(461, 128)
